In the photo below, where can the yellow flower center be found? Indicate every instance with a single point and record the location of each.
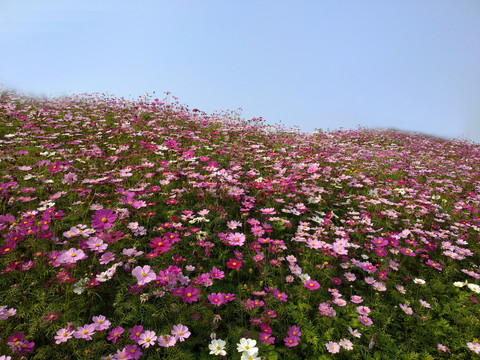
(104, 220)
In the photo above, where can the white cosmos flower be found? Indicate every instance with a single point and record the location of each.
(419, 281)
(474, 287)
(460, 283)
(217, 347)
(247, 346)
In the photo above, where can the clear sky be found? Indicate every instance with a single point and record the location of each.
(408, 64)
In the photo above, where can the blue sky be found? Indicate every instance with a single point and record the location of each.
(407, 64)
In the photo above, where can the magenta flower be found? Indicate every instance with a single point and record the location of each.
(279, 296)
(291, 341)
(189, 294)
(106, 258)
(336, 281)
(266, 338)
(234, 264)
(85, 332)
(294, 331)
(180, 332)
(216, 299)
(147, 338)
(365, 320)
(311, 284)
(103, 219)
(51, 317)
(144, 274)
(114, 334)
(135, 332)
(133, 352)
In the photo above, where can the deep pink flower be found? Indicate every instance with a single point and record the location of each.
(133, 352)
(291, 341)
(114, 334)
(234, 264)
(279, 296)
(51, 317)
(294, 331)
(216, 299)
(311, 284)
(365, 320)
(189, 294)
(135, 332)
(103, 219)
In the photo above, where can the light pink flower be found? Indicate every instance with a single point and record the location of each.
(147, 338)
(144, 274)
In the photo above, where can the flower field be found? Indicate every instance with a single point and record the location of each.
(146, 230)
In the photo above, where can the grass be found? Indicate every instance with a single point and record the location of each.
(142, 229)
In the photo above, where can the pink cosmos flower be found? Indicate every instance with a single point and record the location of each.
(135, 332)
(63, 335)
(291, 341)
(365, 320)
(167, 340)
(363, 310)
(216, 299)
(294, 331)
(279, 296)
(189, 294)
(356, 299)
(85, 332)
(180, 332)
(442, 347)
(51, 317)
(311, 284)
(144, 274)
(114, 334)
(121, 354)
(72, 255)
(103, 219)
(332, 347)
(216, 273)
(133, 352)
(101, 323)
(474, 346)
(147, 338)
(106, 258)
(234, 264)
(236, 239)
(406, 309)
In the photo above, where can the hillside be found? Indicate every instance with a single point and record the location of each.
(147, 230)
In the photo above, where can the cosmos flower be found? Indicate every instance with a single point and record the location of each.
(217, 347)
(103, 219)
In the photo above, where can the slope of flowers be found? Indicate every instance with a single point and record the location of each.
(145, 230)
